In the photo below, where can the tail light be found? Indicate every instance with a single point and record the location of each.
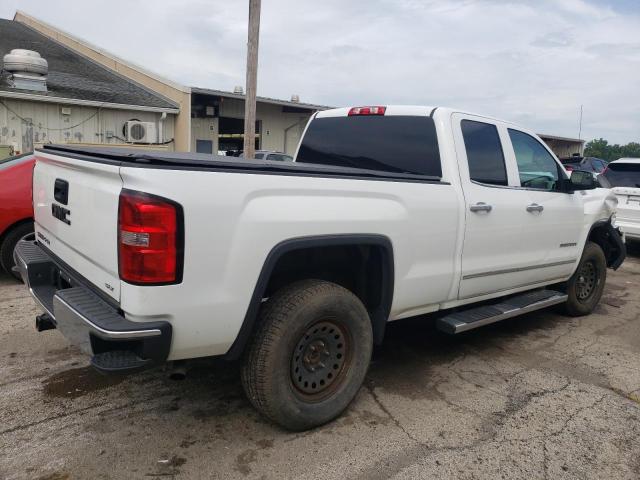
(150, 239)
(355, 111)
(568, 168)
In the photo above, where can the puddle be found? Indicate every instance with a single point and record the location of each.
(77, 382)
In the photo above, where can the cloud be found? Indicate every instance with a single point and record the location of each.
(533, 63)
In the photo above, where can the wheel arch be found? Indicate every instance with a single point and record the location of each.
(14, 225)
(608, 238)
(379, 313)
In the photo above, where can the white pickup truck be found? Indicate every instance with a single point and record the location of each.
(295, 268)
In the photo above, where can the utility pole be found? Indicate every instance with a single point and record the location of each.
(580, 125)
(252, 80)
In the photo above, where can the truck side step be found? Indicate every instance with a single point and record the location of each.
(458, 322)
(118, 361)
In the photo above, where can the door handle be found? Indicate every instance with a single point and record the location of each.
(534, 207)
(480, 207)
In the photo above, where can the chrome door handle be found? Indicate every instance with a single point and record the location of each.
(534, 207)
(480, 207)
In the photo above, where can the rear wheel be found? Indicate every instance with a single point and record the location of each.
(585, 287)
(310, 355)
(23, 231)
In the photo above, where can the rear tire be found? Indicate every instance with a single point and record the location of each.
(309, 356)
(11, 239)
(586, 285)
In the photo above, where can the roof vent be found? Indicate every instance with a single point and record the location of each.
(27, 70)
(295, 98)
(238, 89)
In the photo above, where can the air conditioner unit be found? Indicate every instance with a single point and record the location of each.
(140, 132)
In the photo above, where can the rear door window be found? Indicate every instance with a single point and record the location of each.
(398, 144)
(484, 152)
(622, 175)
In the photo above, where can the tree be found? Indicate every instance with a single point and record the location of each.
(600, 148)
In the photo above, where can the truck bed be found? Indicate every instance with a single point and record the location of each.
(200, 161)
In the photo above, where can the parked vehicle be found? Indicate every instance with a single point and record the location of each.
(296, 267)
(273, 156)
(623, 178)
(588, 164)
(16, 210)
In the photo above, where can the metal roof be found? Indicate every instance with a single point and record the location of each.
(273, 101)
(562, 139)
(74, 78)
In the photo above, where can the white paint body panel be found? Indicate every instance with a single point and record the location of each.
(89, 243)
(233, 220)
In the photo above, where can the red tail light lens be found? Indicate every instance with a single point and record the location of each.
(367, 111)
(568, 168)
(149, 239)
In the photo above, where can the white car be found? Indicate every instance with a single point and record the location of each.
(623, 178)
(388, 212)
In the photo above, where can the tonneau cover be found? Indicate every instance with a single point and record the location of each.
(162, 159)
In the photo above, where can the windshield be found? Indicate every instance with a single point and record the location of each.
(399, 144)
(622, 175)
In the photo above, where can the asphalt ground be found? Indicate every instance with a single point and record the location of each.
(539, 396)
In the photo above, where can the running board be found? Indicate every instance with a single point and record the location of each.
(458, 322)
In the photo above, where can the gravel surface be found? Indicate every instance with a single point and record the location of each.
(540, 396)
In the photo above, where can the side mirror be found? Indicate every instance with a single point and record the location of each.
(581, 180)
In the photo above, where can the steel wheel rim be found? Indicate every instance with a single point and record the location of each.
(587, 281)
(320, 360)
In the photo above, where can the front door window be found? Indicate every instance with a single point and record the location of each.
(536, 166)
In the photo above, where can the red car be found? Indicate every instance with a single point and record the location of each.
(16, 207)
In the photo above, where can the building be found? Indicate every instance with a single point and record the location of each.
(217, 122)
(563, 146)
(197, 119)
(78, 101)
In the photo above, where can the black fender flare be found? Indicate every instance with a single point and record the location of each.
(379, 316)
(618, 250)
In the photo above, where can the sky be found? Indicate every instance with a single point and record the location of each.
(530, 62)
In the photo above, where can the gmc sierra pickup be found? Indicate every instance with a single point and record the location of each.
(388, 212)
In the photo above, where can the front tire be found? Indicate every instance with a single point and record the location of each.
(585, 287)
(309, 356)
(23, 231)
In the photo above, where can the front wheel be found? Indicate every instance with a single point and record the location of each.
(310, 355)
(585, 287)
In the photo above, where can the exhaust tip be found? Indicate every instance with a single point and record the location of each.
(178, 370)
(44, 322)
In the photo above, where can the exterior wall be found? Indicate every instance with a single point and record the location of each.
(178, 93)
(87, 125)
(564, 148)
(279, 131)
(201, 129)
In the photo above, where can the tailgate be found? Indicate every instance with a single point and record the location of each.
(76, 216)
(628, 203)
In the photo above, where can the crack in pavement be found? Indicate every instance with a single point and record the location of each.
(376, 399)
